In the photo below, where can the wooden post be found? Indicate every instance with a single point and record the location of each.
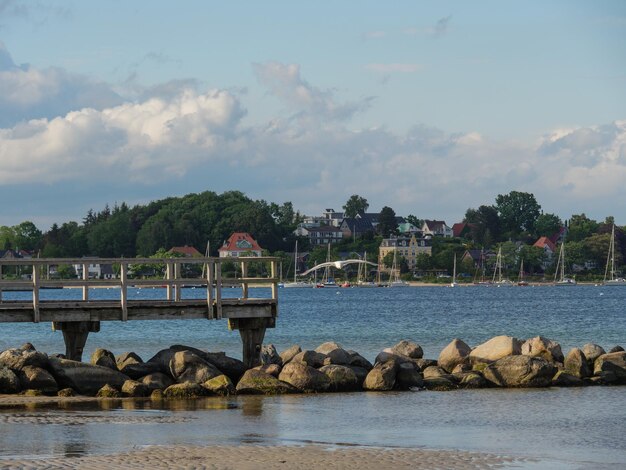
(244, 284)
(210, 273)
(169, 271)
(252, 332)
(35, 293)
(86, 279)
(177, 292)
(273, 269)
(124, 290)
(218, 290)
(75, 335)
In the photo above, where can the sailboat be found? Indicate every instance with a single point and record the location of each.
(327, 280)
(497, 272)
(454, 283)
(520, 279)
(394, 276)
(560, 270)
(610, 278)
(362, 275)
(295, 282)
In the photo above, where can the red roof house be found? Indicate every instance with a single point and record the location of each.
(546, 244)
(186, 251)
(240, 244)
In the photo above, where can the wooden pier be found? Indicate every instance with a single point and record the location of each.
(78, 317)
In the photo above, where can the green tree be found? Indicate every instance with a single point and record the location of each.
(533, 258)
(387, 222)
(355, 205)
(413, 220)
(485, 225)
(27, 236)
(547, 225)
(581, 227)
(518, 212)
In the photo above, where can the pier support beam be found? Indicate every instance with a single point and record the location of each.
(75, 336)
(252, 332)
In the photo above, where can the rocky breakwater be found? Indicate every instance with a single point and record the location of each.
(186, 372)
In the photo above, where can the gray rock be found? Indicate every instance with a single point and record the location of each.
(36, 378)
(382, 377)
(592, 352)
(157, 381)
(272, 369)
(186, 366)
(137, 370)
(565, 379)
(132, 388)
(86, 379)
(470, 379)
(424, 363)
(439, 384)
(27, 347)
(539, 346)
(185, 390)
(408, 349)
(107, 391)
(335, 354)
(304, 377)
(454, 354)
(576, 363)
(256, 382)
(310, 358)
(494, 349)
(289, 353)
(342, 378)
(520, 371)
(408, 376)
(616, 349)
(359, 361)
(611, 367)
(163, 358)
(386, 356)
(9, 383)
(17, 358)
(126, 359)
(434, 371)
(104, 358)
(269, 355)
(233, 368)
(360, 373)
(220, 385)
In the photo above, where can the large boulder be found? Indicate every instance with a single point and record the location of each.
(310, 358)
(157, 381)
(36, 378)
(542, 347)
(565, 379)
(342, 378)
(137, 370)
(86, 379)
(520, 371)
(304, 377)
(408, 349)
(132, 388)
(104, 358)
(162, 359)
(220, 385)
(186, 366)
(272, 369)
(454, 354)
(470, 379)
(576, 363)
(439, 384)
(424, 363)
(357, 360)
(126, 359)
(9, 383)
(289, 353)
(185, 390)
(361, 373)
(616, 349)
(436, 371)
(108, 391)
(233, 368)
(408, 376)
(335, 354)
(382, 377)
(611, 367)
(256, 382)
(592, 352)
(17, 358)
(269, 355)
(494, 349)
(387, 355)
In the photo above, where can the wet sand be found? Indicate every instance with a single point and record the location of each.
(247, 457)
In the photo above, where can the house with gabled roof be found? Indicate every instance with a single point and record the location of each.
(186, 251)
(355, 227)
(240, 244)
(462, 229)
(436, 228)
(546, 245)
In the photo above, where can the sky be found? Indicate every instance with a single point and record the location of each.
(426, 107)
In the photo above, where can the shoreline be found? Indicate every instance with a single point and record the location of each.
(251, 457)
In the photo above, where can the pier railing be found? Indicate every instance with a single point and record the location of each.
(34, 275)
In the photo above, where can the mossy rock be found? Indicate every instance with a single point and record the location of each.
(479, 366)
(220, 385)
(31, 392)
(439, 384)
(108, 392)
(186, 390)
(256, 382)
(66, 392)
(156, 395)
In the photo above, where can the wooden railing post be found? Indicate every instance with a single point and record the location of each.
(177, 292)
(210, 273)
(244, 284)
(124, 290)
(86, 279)
(218, 289)
(273, 271)
(35, 276)
(168, 276)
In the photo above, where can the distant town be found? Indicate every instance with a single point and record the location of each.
(513, 235)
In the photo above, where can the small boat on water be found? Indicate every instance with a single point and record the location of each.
(454, 283)
(520, 279)
(610, 274)
(497, 279)
(296, 283)
(394, 280)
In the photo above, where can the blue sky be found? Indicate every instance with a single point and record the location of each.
(427, 107)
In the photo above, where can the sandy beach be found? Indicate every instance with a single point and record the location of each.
(246, 457)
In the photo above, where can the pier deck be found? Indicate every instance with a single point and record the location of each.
(77, 317)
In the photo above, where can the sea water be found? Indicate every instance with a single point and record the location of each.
(564, 428)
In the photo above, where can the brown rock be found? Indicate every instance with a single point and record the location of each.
(304, 377)
(565, 379)
(334, 353)
(157, 381)
(454, 354)
(542, 347)
(288, 354)
(576, 364)
(342, 378)
(611, 367)
(220, 385)
(104, 358)
(272, 369)
(592, 352)
(494, 349)
(310, 358)
(132, 388)
(186, 366)
(408, 377)
(256, 382)
(382, 377)
(107, 391)
(186, 390)
(408, 349)
(39, 379)
(520, 371)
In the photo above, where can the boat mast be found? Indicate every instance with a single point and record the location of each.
(611, 256)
